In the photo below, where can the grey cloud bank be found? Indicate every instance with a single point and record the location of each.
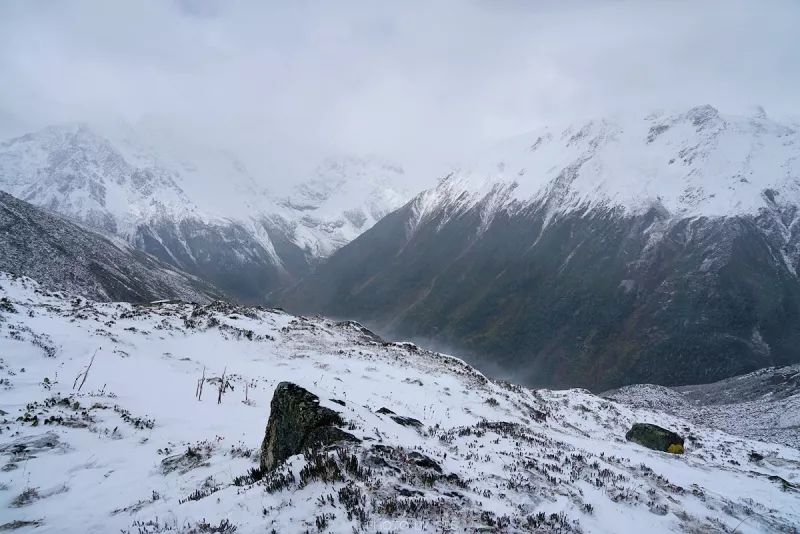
(422, 83)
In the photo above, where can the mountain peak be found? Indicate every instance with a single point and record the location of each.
(697, 162)
(71, 169)
(344, 197)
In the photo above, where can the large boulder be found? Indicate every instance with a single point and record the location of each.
(296, 423)
(655, 437)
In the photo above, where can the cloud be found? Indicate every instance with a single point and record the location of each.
(422, 83)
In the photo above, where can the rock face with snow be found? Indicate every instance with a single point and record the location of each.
(342, 199)
(66, 256)
(298, 423)
(210, 220)
(148, 455)
(659, 249)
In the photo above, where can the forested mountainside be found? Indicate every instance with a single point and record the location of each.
(659, 249)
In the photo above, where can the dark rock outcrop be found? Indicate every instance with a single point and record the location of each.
(426, 462)
(784, 484)
(186, 461)
(400, 419)
(655, 437)
(29, 446)
(296, 423)
(407, 421)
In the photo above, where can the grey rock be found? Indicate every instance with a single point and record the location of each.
(653, 437)
(17, 524)
(784, 484)
(407, 421)
(400, 419)
(185, 462)
(296, 423)
(426, 462)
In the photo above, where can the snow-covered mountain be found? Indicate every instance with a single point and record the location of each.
(344, 198)
(211, 218)
(147, 419)
(697, 163)
(659, 248)
(71, 170)
(66, 256)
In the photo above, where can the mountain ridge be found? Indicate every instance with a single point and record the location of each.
(690, 164)
(65, 256)
(238, 236)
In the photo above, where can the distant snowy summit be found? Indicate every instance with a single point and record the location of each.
(688, 164)
(73, 171)
(210, 218)
(344, 197)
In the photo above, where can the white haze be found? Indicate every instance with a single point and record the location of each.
(283, 84)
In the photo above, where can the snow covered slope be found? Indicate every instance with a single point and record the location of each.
(102, 431)
(763, 405)
(210, 218)
(64, 255)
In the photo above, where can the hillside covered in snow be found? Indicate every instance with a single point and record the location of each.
(149, 418)
(64, 255)
(763, 405)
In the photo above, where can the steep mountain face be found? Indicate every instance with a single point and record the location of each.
(239, 256)
(72, 171)
(209, 219)
(661, 249)
(66, 256)
(156, 419)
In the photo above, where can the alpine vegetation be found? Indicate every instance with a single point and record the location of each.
(178, 417)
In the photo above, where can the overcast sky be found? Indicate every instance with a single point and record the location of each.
(416, 82)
